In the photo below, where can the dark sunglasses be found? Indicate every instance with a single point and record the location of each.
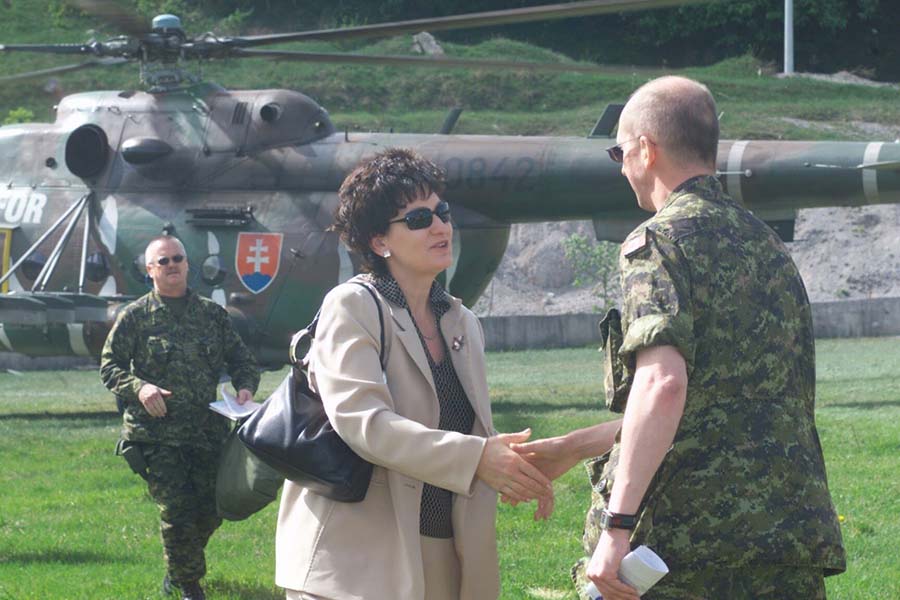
(164, 260)
(617, 153)
(421, 218)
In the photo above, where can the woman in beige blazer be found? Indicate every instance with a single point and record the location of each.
(425, 530)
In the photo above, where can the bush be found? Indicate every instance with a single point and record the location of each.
(18, 115)
(596, 264)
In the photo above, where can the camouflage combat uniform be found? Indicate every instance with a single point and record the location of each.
(742, 492)
(186, 355)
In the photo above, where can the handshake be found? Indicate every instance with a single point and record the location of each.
(522, 471)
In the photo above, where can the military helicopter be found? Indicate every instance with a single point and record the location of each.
(248, 181)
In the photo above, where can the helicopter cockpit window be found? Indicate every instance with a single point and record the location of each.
(213, 272)
(139, 269)
(96, 268)
(32, 266)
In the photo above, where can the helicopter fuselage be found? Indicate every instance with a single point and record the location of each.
(248, 181)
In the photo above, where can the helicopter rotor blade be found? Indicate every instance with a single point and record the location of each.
(470, 20)
(114, 14)
(434, 62)
(120, 47)
(47, 48)
(100, 62)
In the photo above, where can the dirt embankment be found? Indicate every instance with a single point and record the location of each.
(842, 253)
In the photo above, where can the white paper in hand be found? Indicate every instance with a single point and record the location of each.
(641, 569)
(229, 407)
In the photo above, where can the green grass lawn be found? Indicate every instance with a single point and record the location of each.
(74, 523)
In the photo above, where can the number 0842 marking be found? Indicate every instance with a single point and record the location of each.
(476, 173)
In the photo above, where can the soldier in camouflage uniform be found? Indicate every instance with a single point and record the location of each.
(717, 466)
(163, 359)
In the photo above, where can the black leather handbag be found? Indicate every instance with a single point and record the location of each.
(292, 434)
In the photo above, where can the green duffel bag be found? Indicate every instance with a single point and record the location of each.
(244, 483)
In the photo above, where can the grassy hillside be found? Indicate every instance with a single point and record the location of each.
(754, 104)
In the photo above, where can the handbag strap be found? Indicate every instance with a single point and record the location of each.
(310, 330)
(374, 295)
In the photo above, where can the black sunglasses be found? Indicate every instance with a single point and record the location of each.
(420, 218)
(164, 260)
(617, 153)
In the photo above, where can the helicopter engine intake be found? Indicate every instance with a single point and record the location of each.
(87, 151)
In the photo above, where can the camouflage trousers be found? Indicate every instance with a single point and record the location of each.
(182, 482)
(754, 582)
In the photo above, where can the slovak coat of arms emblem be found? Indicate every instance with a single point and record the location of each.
(257, 259)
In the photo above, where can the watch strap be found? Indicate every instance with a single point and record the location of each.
(611, 520)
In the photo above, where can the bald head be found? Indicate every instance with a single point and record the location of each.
(163, 240)
(678, 115)
(167, 266)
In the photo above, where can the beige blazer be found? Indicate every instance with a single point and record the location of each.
(371, 550)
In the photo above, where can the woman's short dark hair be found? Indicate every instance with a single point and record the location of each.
(375, 192)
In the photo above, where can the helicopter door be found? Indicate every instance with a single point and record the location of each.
(226, 130)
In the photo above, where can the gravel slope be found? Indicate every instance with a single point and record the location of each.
(842, 253)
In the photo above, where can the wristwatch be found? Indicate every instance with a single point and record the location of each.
(611, 520)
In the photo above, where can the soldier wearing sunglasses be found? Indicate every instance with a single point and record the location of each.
(163, 359)
(717, 464)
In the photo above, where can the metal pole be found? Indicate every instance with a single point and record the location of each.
(46, 273)
(84, 245)
(40, 241)
(788, 37)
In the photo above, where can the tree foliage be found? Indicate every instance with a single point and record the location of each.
(18, 115)
(829, 34)
(595, 264)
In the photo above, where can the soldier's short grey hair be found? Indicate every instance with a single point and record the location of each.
(157, 240)
(678, 114)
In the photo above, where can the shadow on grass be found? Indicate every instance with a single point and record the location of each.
(864, 405)
(506, 406)
(68, 557)
(71, 416)
(245, 591)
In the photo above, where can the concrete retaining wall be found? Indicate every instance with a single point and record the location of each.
(537, 331)
(875, 317)
(20, 362)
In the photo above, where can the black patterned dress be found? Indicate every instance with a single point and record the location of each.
(456, 411)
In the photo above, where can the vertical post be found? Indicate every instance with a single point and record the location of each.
(84, 244)
(788, 37)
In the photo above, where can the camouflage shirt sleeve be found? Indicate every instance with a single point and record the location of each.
(657, 297)
(241, 364)
(115, 360)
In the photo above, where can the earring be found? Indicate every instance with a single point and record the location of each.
(387, 254)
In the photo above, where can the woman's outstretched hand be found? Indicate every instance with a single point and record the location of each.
(552, 456)
(508, 473)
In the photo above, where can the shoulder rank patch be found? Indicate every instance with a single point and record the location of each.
(635, 244)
